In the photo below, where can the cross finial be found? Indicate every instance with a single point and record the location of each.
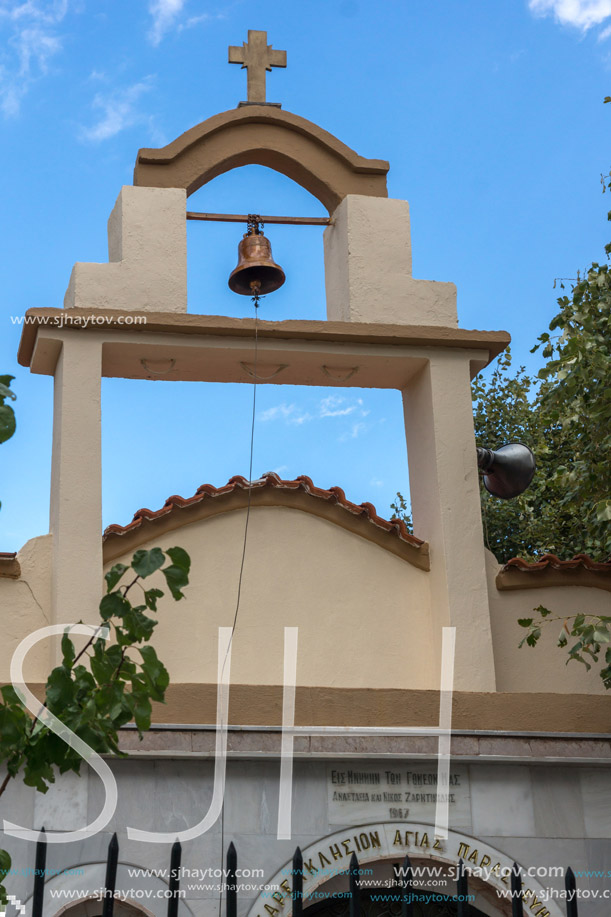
(257, 56)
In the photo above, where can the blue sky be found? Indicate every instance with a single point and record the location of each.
(490, 114)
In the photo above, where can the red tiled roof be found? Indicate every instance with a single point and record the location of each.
(550, 561)
(549, 570)
(270, 489)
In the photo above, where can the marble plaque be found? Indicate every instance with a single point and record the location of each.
(365, 793)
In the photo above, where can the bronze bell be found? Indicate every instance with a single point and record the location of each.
(256, 271)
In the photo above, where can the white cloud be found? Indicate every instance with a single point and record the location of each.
(290, 413)
(582, 14)
(119, 111)
(331, 406)
(354, 432)
(335, 406)
(279, 411)
(50, 12)
(164, 13)
(198, 20)
(31, 45)
(376, 482)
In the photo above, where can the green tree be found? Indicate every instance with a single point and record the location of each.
(121, 679)
(506, 408)
(7, 415)
(576, 393)
(564, 415)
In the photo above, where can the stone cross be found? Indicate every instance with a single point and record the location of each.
(257, 56)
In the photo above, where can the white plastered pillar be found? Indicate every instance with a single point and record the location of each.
(446, 512)
(76, 480)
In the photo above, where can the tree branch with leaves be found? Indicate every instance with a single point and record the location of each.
(102, 687)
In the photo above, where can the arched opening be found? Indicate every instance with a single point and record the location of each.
(212, 246)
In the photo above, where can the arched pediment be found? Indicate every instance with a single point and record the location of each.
(266, 136)
(269, 490)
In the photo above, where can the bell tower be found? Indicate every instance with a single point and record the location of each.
(385, 328)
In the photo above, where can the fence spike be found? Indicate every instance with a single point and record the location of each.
(110, 881)
(407, 889)
(355, 887)
(174, 885)
(517, 905)
(232, 888)
(297, 883)
(40, 864)
(462, 891)
(571, 888)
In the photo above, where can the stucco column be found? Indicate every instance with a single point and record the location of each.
(76, 480)
(368, 268)
(446, 510)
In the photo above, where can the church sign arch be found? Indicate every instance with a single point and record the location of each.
(331, 855)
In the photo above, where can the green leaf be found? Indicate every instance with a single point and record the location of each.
(180, 558)
(141, 709)
(525, 622)
(113, 605)
(579, 658)
(146, 562)
(544, 612)
(151, 596)
(5, 392)
(155, 673)
(601, 635)
(8, 423)
(67, 651)
(10, 696)
(533, 637)
(5, 863)
(176, 578)
(114, 575)
(60, 689)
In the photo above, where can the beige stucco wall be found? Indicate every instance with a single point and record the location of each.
(363, 614)
(25, 606)
(541, 668)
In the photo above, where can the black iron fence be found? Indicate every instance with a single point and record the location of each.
(405, 893)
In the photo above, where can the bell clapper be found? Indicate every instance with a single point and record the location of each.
(255, 286)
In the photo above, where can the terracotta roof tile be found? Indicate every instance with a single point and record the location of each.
(550, 561)
(210, 496)
(549, 570)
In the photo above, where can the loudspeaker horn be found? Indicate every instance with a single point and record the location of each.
(507, 471)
